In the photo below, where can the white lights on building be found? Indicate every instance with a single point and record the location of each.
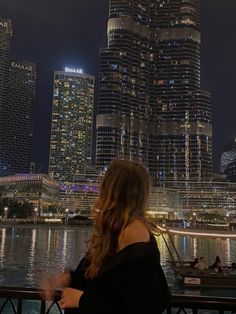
(73, 70)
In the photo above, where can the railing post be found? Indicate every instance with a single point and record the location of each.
(168, 310)
(195, 311)
(19, 306)
(42, 307)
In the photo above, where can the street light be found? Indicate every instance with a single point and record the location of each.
(35, 214)
(5, 213)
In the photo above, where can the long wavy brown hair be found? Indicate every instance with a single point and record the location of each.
(123, 198)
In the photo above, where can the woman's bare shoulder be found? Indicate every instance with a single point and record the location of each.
(135, 232)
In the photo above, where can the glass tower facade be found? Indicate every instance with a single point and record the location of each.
(17, 101)
(5, 48)
(18, 140)
(124, 93)
(184, 135)
(72, 123)
(151, 107)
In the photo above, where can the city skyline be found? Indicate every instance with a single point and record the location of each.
(88, 59)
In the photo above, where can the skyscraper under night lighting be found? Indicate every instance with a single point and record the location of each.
(18, 141)
(72, 122)
(17, 100)
(124, 90)
(6, 32)
(184, 113)
(151, 107)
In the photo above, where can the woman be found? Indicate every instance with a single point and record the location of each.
(217, 266)
(121, 272)
(201, 264)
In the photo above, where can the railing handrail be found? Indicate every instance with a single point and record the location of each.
(31, 293)
(180, 301)
(204, 300)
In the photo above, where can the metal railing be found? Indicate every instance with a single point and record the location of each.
(186, 304)
(12, 301)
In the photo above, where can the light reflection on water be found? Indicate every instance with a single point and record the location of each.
(29, 253)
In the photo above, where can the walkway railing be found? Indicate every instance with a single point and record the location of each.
(13, 300)
(199, 304)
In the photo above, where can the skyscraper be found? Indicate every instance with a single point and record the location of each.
(151, 107)
(184, 136)
(124, 89)
(5, 43)
(18, 140)
(72, 122)
(17, 100)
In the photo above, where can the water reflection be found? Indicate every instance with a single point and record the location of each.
(228, 250)
(49, 242)
(32, 248)
(2, 246)
(64, 246)
(27, 254)
(195, 251)
(31, 259)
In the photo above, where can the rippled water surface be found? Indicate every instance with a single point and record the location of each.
(29, 253)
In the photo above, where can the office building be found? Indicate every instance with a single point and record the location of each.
(6, 33)
(187, 197)
(18, 139)
(81, 195)
(72, 122)
(151, 107)
(37, 189)
(17, 100)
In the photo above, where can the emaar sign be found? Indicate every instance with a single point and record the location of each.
(22, 66)
(73, 70)
(4, 24)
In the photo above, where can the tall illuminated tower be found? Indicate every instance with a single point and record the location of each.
(5, 43)
(151, 107)
(184, 113)
(72, 122)
(18, 140)
(124, 89)
(17, 100)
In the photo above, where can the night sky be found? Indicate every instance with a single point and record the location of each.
(55, 34)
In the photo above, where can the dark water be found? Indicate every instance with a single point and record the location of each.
(29, 253)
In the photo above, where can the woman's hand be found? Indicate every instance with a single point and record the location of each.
(50, 285)
(70, 298)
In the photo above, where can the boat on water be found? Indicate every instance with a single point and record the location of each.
(191, 277)
(194, 278)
